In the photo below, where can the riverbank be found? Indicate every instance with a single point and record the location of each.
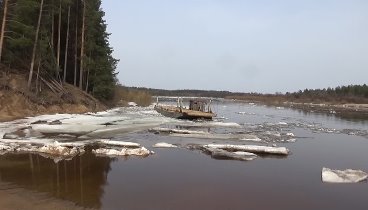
(16, 101)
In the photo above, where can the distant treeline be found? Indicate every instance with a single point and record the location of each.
(187, 92)
(350, 93)
(341, 94)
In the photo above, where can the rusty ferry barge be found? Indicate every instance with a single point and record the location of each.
(198, 109)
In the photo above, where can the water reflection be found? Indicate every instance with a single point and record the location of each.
(80, 180)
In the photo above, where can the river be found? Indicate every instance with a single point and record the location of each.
(186, 178)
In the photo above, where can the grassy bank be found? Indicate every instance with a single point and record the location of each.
(123, 95)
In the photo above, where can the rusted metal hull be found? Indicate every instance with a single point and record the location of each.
(180, 113)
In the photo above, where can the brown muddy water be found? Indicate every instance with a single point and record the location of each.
(181, 178)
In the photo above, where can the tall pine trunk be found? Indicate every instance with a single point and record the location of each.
(35, 46)
(87, 80)
(76, 52)
(82, 47)
(66, 46)
(59, 37)
(52, 24)
(38, 76)
(3, 27)
(76, 45)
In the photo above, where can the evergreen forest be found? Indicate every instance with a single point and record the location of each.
(56, 42)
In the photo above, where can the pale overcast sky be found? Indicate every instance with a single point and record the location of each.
(239, 45)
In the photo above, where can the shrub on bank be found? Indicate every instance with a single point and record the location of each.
(123, 95)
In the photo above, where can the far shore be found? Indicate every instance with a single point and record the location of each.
(345, 110)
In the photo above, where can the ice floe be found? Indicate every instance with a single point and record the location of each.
(53, 150)
(164, 145)
(290, 134)
(168, 130)
(119, 143)
(72, 129)
(85, 126)
(132, 104)
(122, 152)
(62, 136)
(208, 124)
(251, 138)
(218, 136)
(246, 113)
(251, 148)
(343, 176)
(224, 154)
(58, 150)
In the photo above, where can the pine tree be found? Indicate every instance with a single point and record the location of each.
(2, 33)
(61, 34)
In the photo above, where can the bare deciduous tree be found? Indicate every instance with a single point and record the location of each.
(35, 46)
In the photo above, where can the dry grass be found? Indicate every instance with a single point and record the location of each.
(123, 95)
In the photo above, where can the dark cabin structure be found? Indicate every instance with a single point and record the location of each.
(197, 105)
(198, 109)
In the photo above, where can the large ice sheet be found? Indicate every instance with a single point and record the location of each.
(343, 176)
(86, 126)
(110, 131)
(73, 129)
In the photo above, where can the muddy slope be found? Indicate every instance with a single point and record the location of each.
(16, 101)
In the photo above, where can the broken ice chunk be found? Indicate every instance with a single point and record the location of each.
(123, 152)
(345, 176)
(164, 145)
(290, 134)
(119, 143)
(251, 148)
(168, 130)
(132, 104)
(223, 154)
